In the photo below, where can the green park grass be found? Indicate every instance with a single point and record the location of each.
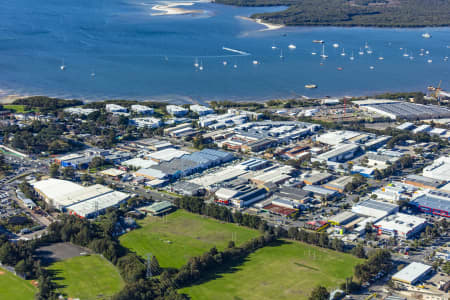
(181, 235)
(15, 288)
(289, 270)
(15, 107)
(87, 277)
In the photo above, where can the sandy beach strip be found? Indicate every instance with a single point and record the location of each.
(173, 9)
(269, 26)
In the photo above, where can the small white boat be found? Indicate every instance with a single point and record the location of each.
(371, 67)
(343, 52)
(427, 52)
(92, 74)
(281, 54)
(335, 45)
(292, 47)
(381, 58)
(421, 52)
(361, 52)
(405, 54)
(63, 66)
(235, 66)
(313, 53)
(426, 35)
(352, 57)
(274, 47)
(369, 51)
(255, 62)
(224, 62)
(366, 45)
(319, 41)
(446, 58)
(310, 86)
(429, 61)
(201, 66)
(196, 63)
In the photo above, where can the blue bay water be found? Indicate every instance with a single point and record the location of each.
(135, 55)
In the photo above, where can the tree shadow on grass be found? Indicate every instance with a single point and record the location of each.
(232, 266)
(56, 279)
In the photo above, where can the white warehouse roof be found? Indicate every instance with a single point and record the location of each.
(374, 208)
(439, 170)
(411, 273)
(89, 207)
(63, 193)
(167, 154)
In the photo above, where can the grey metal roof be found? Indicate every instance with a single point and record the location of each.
(433, 199)
(388, 207)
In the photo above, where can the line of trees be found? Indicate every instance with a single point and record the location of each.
(208, 264)
(378, 261)
(404, 162)
(39, 137)
(320, 239)
(46, 104)
(198, 206)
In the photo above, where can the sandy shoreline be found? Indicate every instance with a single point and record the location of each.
(269, 26)
(173, 9)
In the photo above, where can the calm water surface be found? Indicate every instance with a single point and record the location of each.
(117, 49)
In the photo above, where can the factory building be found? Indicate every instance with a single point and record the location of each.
(273, 175)
(433, 202)
(79, 200)
(343, 218)
(409, 111)
(423, 182)
(317, 178)
(253, 164)
(406, 126)
(176, 111)
(187, 188)
(224, 175)
(339, 184)
(294, 194)
(139, 163)
(186, 164)
(400, 225)
(337, 137)
(377, 209)
(166, 154)
(259, 145)
(249, 197)
(412, 274)
(321, 192)
(339, 154)
(158, 208)
(439, 170)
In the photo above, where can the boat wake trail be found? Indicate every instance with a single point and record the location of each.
(236, 51)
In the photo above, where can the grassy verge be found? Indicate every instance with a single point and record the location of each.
(181, 235)
(15, 288)
(289, 270)
(87, 277)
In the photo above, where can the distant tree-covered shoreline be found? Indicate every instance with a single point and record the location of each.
(365, 13)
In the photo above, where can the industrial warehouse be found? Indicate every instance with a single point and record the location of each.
(403, 110)
(75, 199)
